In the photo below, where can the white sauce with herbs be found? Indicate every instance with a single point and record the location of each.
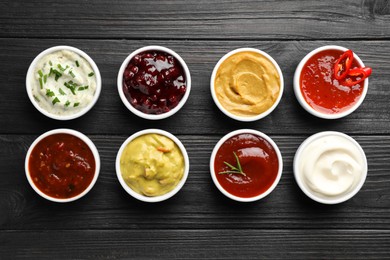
(63, 83)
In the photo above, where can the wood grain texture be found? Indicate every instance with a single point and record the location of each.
(196, 19)
(197, 244)
(199, 205)
(199, 115)
(199, 222)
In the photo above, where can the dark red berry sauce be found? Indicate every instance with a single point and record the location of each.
(154, 82)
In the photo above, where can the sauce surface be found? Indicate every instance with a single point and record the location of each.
(152, 165)
(154, 82)
(331, 166)
(61, 166)
(247, 84)
(63, 83)
(259, 162)
(321, 90)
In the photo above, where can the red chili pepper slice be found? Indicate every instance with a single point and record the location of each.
(357, 75)
(343, 64)
(368, 71)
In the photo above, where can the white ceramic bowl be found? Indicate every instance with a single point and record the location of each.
(76, 134)
(136, 111)
(213, 173)
(30, 75)
(307, 190)
(301, 99)
(246, 118)
(166, 195)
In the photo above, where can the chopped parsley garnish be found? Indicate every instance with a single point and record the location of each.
(67, 103)
(61, 91)
(91, 74)
(45, 78)
(49, 93)
(77, 63)
(76, 104)
(56, 100)
(40, 73)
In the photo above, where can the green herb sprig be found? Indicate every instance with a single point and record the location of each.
(234, 169)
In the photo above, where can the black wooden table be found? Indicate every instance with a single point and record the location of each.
(199, 222)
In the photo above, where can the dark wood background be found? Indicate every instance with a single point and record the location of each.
(199, 222)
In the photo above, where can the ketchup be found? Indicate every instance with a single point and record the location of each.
(258, 160)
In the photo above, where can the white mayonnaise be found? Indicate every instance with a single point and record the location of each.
(332, 165)
(63, 83)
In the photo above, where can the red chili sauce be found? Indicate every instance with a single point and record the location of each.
(321, 90)
(61, 166)
(258, 160)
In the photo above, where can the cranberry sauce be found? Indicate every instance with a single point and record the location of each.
(154, 82)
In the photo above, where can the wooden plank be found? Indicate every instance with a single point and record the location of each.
(199, 222)
(197, 244)
(199, 205)
(199, 115)
(196, 19)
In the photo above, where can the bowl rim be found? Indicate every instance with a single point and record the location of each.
(138, 112)
(301, 99)
(160, 197)
(311, 194)
(244, 131)
(246, 118)
(84, 55)
(77, 134)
